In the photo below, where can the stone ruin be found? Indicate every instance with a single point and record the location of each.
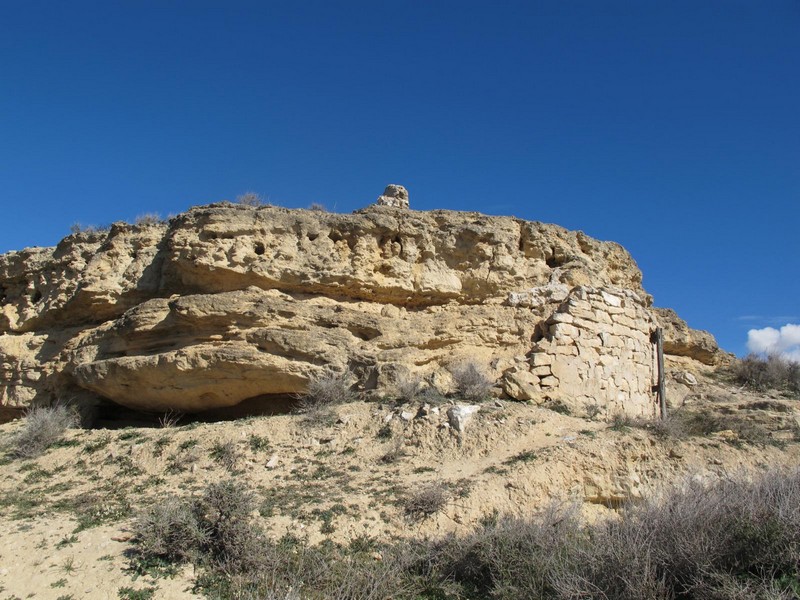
(595, 350)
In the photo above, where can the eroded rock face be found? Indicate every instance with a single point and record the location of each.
(681, 340)
(230, 302)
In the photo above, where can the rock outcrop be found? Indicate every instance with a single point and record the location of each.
(227, 303)
(394, 195)
(681, 340)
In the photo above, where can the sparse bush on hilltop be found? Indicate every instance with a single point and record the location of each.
(44, 426)
(771, 373)
(80, 228)
(471, 381)
(149, 219)
(250, 199)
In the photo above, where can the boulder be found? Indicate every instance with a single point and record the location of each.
(395, 196)
(459, 415)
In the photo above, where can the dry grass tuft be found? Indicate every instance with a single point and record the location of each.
(323, 394)
(44, 426)
(471, 382)
(426, 502)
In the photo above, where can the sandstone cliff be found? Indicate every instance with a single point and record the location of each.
(227, 303)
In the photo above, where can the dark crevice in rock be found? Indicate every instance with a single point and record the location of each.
(109, 415)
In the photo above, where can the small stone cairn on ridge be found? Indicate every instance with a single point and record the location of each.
(394, 195)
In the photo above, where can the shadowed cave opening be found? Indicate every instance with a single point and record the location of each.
(109, 415)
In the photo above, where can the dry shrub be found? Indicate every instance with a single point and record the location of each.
(684, 423)
(735, 538)
(510, 557)
(696, 542)
(169, 530)
(323, 394)
(214, 530)
(234, 542)
(770, 373)
(673, 427)
(732, 539)
(409, 387)
(170, 419)
(426, 502)
(293, 570)
(395, 452)
(44, 426)
(149, 219)
(250, 199)
(471, 382)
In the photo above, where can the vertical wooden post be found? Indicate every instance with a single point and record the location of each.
(662, 394)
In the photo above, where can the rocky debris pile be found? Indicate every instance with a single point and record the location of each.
(229, 303)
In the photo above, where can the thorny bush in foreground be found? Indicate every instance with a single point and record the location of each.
(731, 539)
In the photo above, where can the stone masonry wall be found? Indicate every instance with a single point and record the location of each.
(595, 351)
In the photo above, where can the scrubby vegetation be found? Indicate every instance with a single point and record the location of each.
(149, 219)
(731, 539)
(44, 426)
(409, 387)
(770, 373)
(426, 502)
(471, 382)
(734, 539)
(323, 394)
(250, 199)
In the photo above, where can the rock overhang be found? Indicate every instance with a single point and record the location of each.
(274, 296)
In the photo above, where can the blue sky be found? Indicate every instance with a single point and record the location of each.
(672, 127)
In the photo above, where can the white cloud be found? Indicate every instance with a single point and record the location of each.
(784, 341)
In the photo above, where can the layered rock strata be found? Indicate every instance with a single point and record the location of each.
(227, 303)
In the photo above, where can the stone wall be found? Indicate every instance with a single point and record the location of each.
(594, 351)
